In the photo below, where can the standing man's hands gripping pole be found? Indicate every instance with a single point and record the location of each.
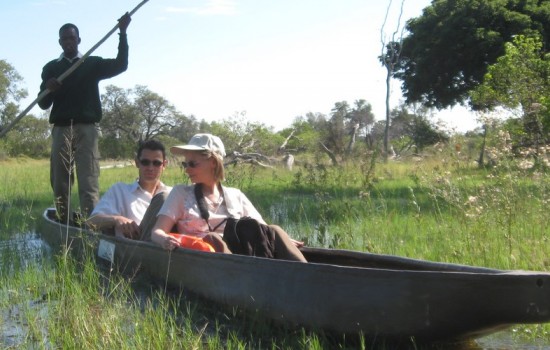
(124, 22)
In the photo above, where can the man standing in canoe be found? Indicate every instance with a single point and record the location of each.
(76, 110)
(130, 210)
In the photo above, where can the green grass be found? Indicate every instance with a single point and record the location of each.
(436, 209)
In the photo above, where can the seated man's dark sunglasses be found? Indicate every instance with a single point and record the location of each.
(146, 162)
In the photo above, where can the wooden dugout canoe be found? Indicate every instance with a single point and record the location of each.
(338, 291)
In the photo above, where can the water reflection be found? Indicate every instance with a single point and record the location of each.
(21, 251)
(506, 341)
(15, 329)
(289, 212)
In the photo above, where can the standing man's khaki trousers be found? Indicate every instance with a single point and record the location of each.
(75, 148)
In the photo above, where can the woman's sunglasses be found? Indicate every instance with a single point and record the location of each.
(190, 164)
(146, 162)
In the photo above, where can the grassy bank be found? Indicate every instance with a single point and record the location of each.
(440, 208)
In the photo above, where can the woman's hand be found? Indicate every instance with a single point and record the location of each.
(298, 244)
(164, 240)
(170, 243)
(160, 236)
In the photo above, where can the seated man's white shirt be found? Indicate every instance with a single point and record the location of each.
(128, 200)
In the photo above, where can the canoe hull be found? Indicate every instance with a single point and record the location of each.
(350, 293)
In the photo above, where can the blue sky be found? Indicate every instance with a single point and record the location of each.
(274, 60)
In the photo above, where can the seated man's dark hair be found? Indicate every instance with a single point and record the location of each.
(152, 145)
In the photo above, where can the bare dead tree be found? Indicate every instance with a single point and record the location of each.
(353, 133)
(288, 161)
(249, 161)
(250, 158)
(390, 56)
(283, 146)
(480, 161)
(250, 143)
(330, 153)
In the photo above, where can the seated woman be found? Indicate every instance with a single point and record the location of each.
(204, 166)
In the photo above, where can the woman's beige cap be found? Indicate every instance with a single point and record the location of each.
(201, 142)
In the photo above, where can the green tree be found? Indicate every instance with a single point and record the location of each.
(320, 123)
(346, 123)
(120, 124)
(519, 80)
(244, 136)
(156, 114)
(185, 128)
(359, 119)
(134, 115)
(29, 137)
(10, 93)
(423, 133)
(306, 133)
(449, 48)
(336, 133)
(413, 129)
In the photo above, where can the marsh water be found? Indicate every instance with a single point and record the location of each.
(25, 249)
(17, 253)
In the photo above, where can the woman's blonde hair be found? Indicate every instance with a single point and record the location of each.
(219, 171)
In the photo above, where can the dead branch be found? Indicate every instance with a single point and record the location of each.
(236, 161)
(330, 153)
(283, 146)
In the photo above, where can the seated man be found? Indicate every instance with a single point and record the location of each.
(130, 210)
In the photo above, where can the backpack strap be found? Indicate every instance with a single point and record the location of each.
(203, 208)
(201, 202)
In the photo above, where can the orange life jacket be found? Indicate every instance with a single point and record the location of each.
(192, 242)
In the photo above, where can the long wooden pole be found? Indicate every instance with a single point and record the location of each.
(65, 74)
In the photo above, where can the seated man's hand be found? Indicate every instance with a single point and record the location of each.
(125, 227)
